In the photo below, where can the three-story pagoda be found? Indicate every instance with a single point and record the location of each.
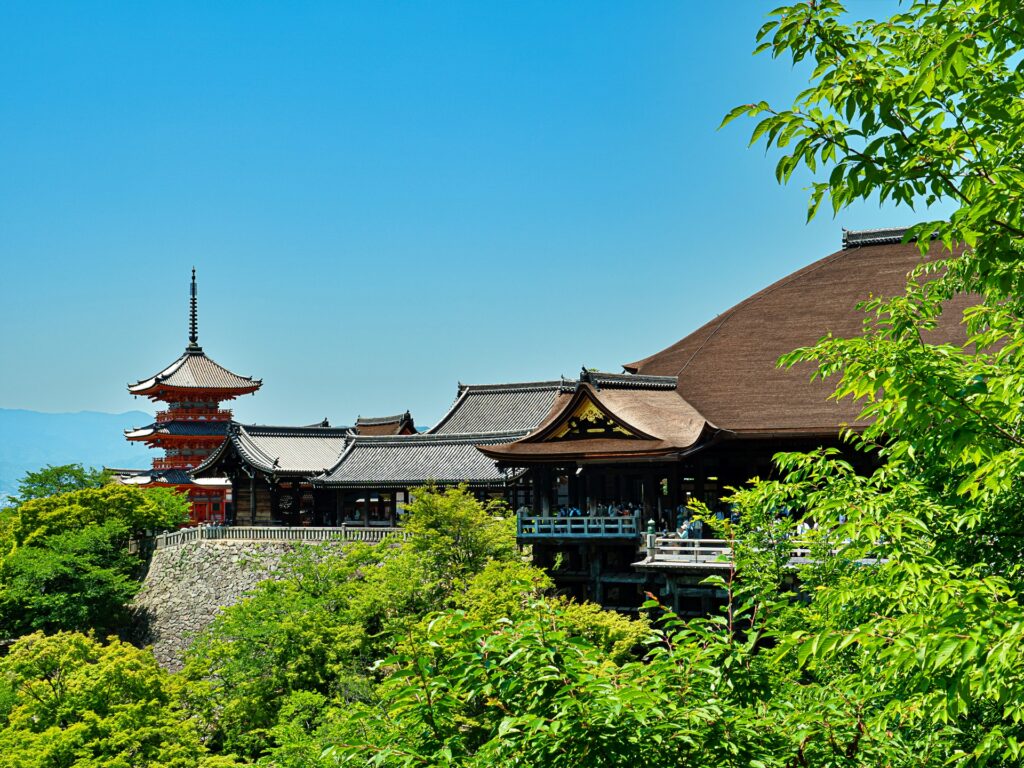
(192, 425)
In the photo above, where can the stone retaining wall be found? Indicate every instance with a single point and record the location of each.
(187, 585)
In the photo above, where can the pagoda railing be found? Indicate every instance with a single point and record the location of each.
(274, 533)
(194, 414)
(617, 526)
(176, 463)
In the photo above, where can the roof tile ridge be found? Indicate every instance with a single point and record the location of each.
(202, 354)
(245, 445)
(170, 370)
(382, 419)
(428, 438)
(285, 429)
(345, 451)
(523, 386)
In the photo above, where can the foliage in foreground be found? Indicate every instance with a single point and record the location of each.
(69, 700)
(66, 565)
(52, 480)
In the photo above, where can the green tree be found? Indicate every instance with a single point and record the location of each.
(916, 108)
(78, 580)
(55, 479)
(279, 674)
(68, 701)
(135, 508)
(457, 534)
(911, 645)
(68, 565)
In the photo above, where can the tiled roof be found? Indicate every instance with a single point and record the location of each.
(481, 408)
(386, 425)
(412, 460)
(727, 368)
(378, 420)
(283, 450)
(144, 477)
(176, 428)
(194, 370)
(658, 422)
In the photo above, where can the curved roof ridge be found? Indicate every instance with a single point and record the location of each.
(584, 391)
(459, 398)
(483, 408)
(429, 437)
(305, 431)
(201, 372)
(728, 368)
(248, 448)
(519, 386)
(349, 445)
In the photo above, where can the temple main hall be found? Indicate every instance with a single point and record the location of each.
(587, 463)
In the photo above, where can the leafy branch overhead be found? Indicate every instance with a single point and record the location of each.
(916, 108)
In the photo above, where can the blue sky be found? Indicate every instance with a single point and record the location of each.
(381, 199)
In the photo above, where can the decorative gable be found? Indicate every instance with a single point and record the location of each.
(590, 421)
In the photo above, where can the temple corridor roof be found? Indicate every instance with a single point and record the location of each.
(411, 460)
(283, 450)
(480, 408)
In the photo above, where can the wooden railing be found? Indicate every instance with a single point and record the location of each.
(674, 552)
(194, 414)
(270, 533)
(583, 527)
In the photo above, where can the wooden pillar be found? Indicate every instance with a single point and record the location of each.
(673, 493)
(252, 499)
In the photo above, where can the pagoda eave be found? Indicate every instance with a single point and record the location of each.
(160, 392)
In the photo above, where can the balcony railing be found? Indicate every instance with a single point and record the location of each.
(674, 553)
(578, 527)
(272, 533)
(194, 414)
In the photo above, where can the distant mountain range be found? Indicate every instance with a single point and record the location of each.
(31, 439)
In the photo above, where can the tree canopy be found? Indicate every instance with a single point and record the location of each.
(54, 479)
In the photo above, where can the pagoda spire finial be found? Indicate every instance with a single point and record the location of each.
(193, 319)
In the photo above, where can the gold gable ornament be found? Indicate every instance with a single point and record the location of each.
(589, 421)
